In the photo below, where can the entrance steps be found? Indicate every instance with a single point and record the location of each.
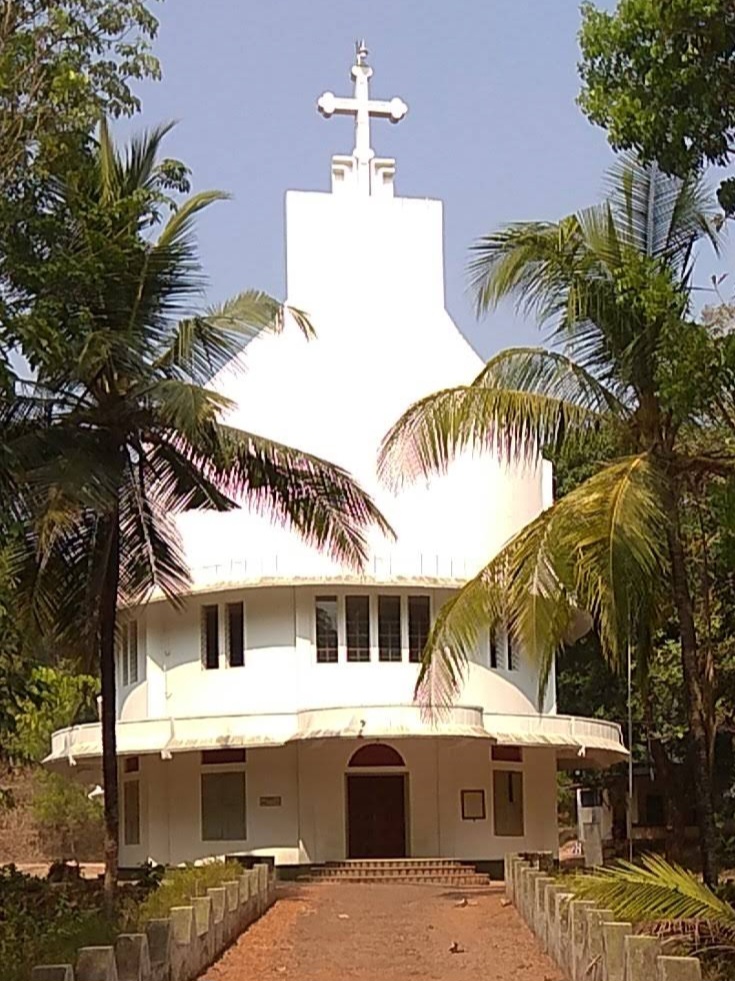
(407, 871)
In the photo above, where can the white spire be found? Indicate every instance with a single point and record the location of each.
(362, 173)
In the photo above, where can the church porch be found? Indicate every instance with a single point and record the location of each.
(325, 800)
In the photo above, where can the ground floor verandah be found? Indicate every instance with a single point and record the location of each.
(327, 800)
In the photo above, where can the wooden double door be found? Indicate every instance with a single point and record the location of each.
(376, 815)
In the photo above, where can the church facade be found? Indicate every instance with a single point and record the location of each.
(275, 715)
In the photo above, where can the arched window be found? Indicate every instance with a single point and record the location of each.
(376, 754)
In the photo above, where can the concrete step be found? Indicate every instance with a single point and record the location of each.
(391, 873)
(397, 863)
(455, 881)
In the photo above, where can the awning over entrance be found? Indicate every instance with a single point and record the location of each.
(577, 741)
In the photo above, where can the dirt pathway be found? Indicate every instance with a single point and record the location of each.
(333, 932)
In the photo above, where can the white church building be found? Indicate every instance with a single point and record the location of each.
(275, 715)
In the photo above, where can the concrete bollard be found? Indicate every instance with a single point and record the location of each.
(641, 954)
(518, 868)
(185, 958)
(592, 963)
(560, 947)
(679, 969)
(578, 937)
(133, 957)
(218, 895)
(508, 860)
(547, 940)
(158, 933)
(613, 949)
(204, 927)
(96, 964)
(53, 972)
(539, 925)
(232, 904)
(529, 895)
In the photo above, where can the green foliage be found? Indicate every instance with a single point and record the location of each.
(654, 890)
(42, 923)
(63, 63)
(66, 698)
(183, 884)
(71, 824)
(659, 76)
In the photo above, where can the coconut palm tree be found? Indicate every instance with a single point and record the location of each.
(118, 431)
(612, 283)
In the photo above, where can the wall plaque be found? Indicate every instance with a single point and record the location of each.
(270, 801)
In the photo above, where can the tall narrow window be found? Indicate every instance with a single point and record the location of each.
(326, 630)
(508, 803)
(419, 622)
(131, 812)
(129, 652)
(493, 641)
(389, 628)
(357, 619)
(512, 656)
(210, 636)
(236, 635)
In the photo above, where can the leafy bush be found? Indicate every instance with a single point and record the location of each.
(183, 884)
(71, 824)
(45, 923)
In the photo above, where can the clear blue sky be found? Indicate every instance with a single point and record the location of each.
(493, 129)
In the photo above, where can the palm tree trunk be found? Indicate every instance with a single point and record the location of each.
(695, 687)
(108, 615)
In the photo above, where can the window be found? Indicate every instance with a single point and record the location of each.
(419, 621)
(229, 754)
(654, 811)
(129, 652)
(326, 630)
(389, 628)
(223, 806)
(507, 754)
(131, 812)
(131, 764)
(473, 805)
(590, 798)
(493, 642)
(235, 635)
(508, 803)
(512, 663)
(210, 636)
(357, 620)
(376, 754)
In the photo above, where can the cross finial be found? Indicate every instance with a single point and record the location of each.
(363, 108)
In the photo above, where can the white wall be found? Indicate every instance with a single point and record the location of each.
(281, 673)
(310, 826)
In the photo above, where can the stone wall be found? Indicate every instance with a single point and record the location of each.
(586, 942)
(181, 946)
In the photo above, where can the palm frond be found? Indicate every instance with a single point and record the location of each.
(319, 500)
(550, 373)
(654, 890)
(512, 423)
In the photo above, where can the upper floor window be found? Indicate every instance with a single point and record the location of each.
(493, 641)
(389, 628)
(357, 627)
(512, 652)
(326, 629)
(129, 652)
(236, 635)
(419, 622)
(210, 636)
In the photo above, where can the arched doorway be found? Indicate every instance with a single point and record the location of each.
(376, 803)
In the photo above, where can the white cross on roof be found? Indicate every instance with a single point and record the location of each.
(362, 107)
